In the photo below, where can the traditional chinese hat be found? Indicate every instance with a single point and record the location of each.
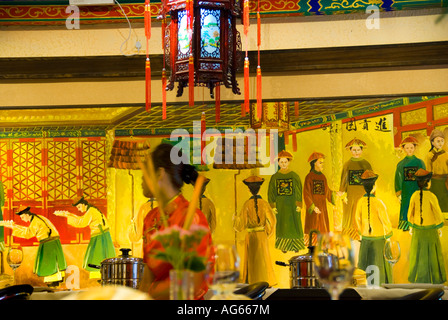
(253, 180)
(316, 156)
(22, 210)
(206, 181)
(355, 142)
(422, 174)
(409, 139)
(284, 154)
(254, 183)
(435, 134)
(369, 175)
(80, 200)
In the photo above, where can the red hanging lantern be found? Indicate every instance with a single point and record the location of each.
(204, 45)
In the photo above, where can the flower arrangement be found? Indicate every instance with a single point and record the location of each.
(180, 247)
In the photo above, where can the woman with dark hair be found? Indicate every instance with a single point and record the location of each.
(426, 263)
(170, 179)
(316, 193)
(100, 245)
(351, 185)
(374, 227)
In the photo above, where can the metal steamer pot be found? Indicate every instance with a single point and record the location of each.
(301, 269)
(124, 270)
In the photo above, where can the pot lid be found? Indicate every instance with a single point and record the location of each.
(303, 257)
(125, 257)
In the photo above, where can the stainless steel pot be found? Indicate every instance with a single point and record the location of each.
(124, 270)
(301, 269)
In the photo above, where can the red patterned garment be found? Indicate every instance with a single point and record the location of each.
(176, 211)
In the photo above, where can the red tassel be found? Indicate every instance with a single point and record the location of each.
(163, 94)
(148, 84)
(191, 81)
(203, 127)
(246, 83)
(271, 148)
(259, 102)
(286, 137)
(258, 30)
(163, 70)
(296, 108)
(218, 103)
(246, 17)
(294, 141)
(147, 18)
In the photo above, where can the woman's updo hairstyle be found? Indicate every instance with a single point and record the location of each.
(179, 173)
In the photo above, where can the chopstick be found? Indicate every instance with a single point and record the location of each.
(150, 177)
(194, 202)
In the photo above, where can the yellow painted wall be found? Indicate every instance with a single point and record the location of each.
(380, 152)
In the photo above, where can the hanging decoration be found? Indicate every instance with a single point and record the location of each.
(259, 100)
(203, 128)
(296, 108)
(164, 69)
(147, 18)
(203, 44)
(246, 59)
(275, 115)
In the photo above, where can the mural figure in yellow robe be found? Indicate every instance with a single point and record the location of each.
(100, 246)
(50, 260)
(208, 207)
(351, 185)
(257, 219)
(374, 227)
(437, 163)
(426, 263)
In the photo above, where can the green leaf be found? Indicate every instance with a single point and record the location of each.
(195, 263)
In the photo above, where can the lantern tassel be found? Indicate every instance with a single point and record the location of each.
(147, 18)
(203, 127)
(163, 70)
(191, 81)
(148, 84)
(218, 103)
(259, 102)
(246, 83)
(163, 94)
(246, 17)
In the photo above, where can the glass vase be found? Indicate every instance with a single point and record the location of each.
(181, 285)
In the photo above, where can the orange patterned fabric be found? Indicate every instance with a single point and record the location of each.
(176, 211)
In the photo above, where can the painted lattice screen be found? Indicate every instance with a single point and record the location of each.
(47, 174)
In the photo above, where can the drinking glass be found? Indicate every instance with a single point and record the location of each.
(392, 253)
(223, 273)
(15, 258)
(334, 262)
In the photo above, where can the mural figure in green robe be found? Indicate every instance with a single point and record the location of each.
(285, 197)
(405, 183)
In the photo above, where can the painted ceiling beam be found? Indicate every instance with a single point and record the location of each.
(54, 12)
